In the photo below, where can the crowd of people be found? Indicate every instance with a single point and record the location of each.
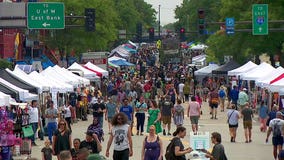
(155, 98)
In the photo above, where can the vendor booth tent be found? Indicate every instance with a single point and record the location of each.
(9, 91)
(226, 67)
(13, 80)
(244, 68)
(4, 99)
(115, 58)
(277, 84)
(54, 72)
(21, 75)
(206, 70)
(87, 73)
(83, 81)
(260, 71)
(96, 69)
(122, 63)
(24, 95)
(265, 80)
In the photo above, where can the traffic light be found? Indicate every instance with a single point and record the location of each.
(201, 21)
(182, 34)
(151, 34)
(139, 31)
(90, 14)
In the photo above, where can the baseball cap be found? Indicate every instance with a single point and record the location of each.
(244, 89)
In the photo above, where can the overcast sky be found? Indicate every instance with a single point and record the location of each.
(167, 9)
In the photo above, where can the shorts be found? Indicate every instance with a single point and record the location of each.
(194, 119)
(213, 105)
(166, 119)
(233, 125)
(276, 141)
(247, 124)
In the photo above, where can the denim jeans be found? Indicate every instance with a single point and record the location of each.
(34, 126)
(51, 127)
(140, 121)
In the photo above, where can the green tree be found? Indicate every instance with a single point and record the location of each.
(243, 45)
(77, 38)
(187, 16)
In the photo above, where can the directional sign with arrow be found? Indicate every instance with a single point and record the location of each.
(45, 15)
(260, 19)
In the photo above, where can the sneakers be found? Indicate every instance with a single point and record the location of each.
(164, 132)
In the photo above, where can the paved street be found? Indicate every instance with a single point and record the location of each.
(257, 150)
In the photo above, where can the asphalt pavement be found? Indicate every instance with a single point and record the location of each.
(256, 150)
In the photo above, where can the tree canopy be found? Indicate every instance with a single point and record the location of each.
(111, 16)
(243, 46)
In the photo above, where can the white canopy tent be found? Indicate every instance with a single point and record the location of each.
(96, 68)
(83, 81)
(265, 81)
(4, 99)
(113, 58)
(121, 51)
(206, 70)
(260, 71)
(54, 87)
(24, 95)
(21, 75)
(57, 79)
(62, 77)
(277, 84)
(242, 69)
(87, 73)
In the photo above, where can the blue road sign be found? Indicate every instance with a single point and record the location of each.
(230, 26)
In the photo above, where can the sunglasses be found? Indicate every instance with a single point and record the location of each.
(119, 119)
(62, 124)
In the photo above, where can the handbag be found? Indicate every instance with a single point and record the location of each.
(26, 146)
(230, 116)
(18, 124)
(28, 131)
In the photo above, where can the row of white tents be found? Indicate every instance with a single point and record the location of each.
(53, 80)
(264, 75)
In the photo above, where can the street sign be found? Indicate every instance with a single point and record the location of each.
(260, 19)
(122, 34)
(230, 26)
(45, 15)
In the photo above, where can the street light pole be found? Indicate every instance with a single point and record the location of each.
(159, 27)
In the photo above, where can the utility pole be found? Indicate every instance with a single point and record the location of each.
(159, 27)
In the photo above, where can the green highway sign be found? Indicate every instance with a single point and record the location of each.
(45, 15)
(259, 19)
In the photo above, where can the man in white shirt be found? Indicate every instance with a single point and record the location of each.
(34, 118)
(180, 91)
(276, 127)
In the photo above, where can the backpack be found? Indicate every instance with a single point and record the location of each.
(222, 93)
(277, 129)
(170, 150)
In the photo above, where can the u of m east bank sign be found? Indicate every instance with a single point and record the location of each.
(45, 15)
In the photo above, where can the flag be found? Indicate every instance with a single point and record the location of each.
(17, 42)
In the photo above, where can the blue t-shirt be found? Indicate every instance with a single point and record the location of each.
(111, 108)
(127, 110)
